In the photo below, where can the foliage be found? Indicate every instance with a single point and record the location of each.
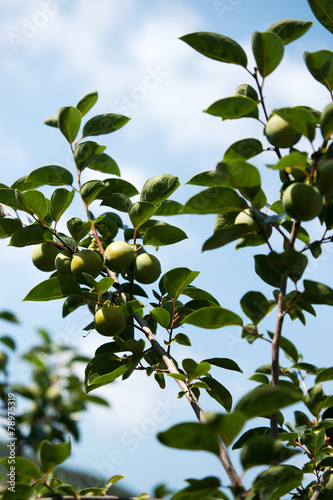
(234, 187)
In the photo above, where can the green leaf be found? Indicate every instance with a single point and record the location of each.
(22, 492)
(140, 212)
(255, 306)
(51, 175)
(7, 197)
(326, 122)
(324, 375)
(8, 341)
(227, 426)
(182, 339)
(243, 150)
(317, 293)
(217, 200)
(320, 65)
(268, 51)
(51, 121)
(226, 363)
(24, 468)
(266, 272)
(53, 454)
(224, 236)
(294, 159)
(87, 102)
(118, 201)
(104, 124)
(198, 294)
(117, 186)
(213, 317)
(290, 29)
(231, 108)
(255, 431)
(159, 188)
(104, 163)
(9, 226)
(169, 207)
(106, 225)
(278, 481)
(163, 234)
(54, 288)
(8, 316)
(218, 392)
(86, 153)
(323, 10)
(265, 400)
(23, 185)
(217, 47)
(60, 200)
(262, 450)
(30, 235)
(315, 400)
(288, 347)
(300, 119)
(90, 191)
(290, 262)
(103, 369)
(161, 316)
(78, 228)
(242, 176)
(33, 202)
(190, 436)
(176, 280)
(69, 121)
(199, 489)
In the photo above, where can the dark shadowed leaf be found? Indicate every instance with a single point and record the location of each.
(226, 363)
(200, 489)
(215, 200)
(261, 450)
(176, 280)
(266, 272)
(227, 426)
(326, 122)
(140, 212)
(87, 102)
(224, 236)
(217, 47)
(60, 201)
(104, 124)
(118, 201)
(251, 433)
(159, 188)
(117, 186)
(33, 202)
(30, 235)
(9, 226)
(104, 163)
(320, 65)
(290, 262)
(103, 369)
(69, 121)
(317, 293)
(54, 288)
(278, 480)
(255, 306)
(90, 190)
(190, 436)
(324, 375)
(268, 50)
(290, 29)
(218, 392)
(7, 197)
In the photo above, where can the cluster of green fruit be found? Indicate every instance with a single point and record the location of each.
(120, 257)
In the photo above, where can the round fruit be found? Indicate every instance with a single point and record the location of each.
(63, 264)
(302, 201)
(43, 256)
(86, 261)
(325, 177)
(119, 256)
(280, 134)
(246, 217)
(110, 320)
(146, 269)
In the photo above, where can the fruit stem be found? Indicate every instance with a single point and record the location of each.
(278, 328)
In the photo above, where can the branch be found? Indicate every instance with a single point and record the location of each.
(321, 483)
(278, 328)
(236, 483)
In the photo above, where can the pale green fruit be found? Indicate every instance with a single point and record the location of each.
(280, 134)
(63, 264)
(119, 256)
(146, 268)
(302, 201)
(246, 217)
(325, 177)
(43, 256)
(109, 320)
(86, 261)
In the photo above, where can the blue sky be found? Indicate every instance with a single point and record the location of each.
(54, 52)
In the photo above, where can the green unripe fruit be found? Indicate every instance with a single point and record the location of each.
(43, 256)
(109, 320)
(63, 264)
(246, 217)
(86, 261)
(119, 256)
(302, 201)
(280, 134)
(146, 269)
(325, 177)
